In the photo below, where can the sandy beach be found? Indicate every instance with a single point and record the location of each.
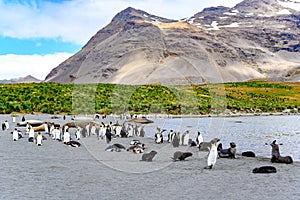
(58, 171)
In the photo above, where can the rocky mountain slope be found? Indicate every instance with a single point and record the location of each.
(256, 39)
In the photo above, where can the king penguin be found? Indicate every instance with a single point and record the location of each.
(199, 138)
(185, 138)
(212, 157)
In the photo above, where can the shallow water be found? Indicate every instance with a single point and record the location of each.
(253, 133)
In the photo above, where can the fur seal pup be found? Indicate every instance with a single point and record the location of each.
(264, 170)
(248, 154)
(176, 139)
(206, 146)
(185, 138)
(148, 156)
(276, 157)
(192, 143)
(178, 155)
(228, 153)
(212, 156)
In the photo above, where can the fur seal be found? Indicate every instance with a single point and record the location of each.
(31, 122)
(248, 154)
(264, 169)
(178, 155)
(185, 138)
(228, 153)
(148, 156)
(206, 146)
(192, 143)
(212, 156)
(276, 157)
(142, 120)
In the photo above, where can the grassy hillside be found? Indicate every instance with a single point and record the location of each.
(53, 98)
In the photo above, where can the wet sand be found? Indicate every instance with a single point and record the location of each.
(58, 171)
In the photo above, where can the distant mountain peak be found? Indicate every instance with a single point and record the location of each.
(26, 79)
(132, 14)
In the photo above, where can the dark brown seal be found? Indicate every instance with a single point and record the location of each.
(178, 155)
(148, 156)
(276, 157)
(265, 170)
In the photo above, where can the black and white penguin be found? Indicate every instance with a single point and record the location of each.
(176, 139)
(171, 136)
(199, 138)
(212, 157)
(185, 138)
(39, 139)
(108, 135)
(3, 126)
(159, 136)
(141, 131)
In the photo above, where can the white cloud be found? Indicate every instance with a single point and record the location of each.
(78, 20)
(15, 66)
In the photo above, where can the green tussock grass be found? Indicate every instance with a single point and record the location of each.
(55, 98)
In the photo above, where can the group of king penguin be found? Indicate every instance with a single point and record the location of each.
(174, 138)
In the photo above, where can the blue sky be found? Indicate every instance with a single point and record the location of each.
(37, 35)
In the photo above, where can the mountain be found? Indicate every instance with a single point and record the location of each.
(256, 39)
(26, 79)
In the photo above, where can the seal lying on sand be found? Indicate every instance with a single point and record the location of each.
(148, 156)
(178, 155)
(276, 157)
(228, 153)
(248, 154)
(265, 169)
(31, 122)
(206, 146)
